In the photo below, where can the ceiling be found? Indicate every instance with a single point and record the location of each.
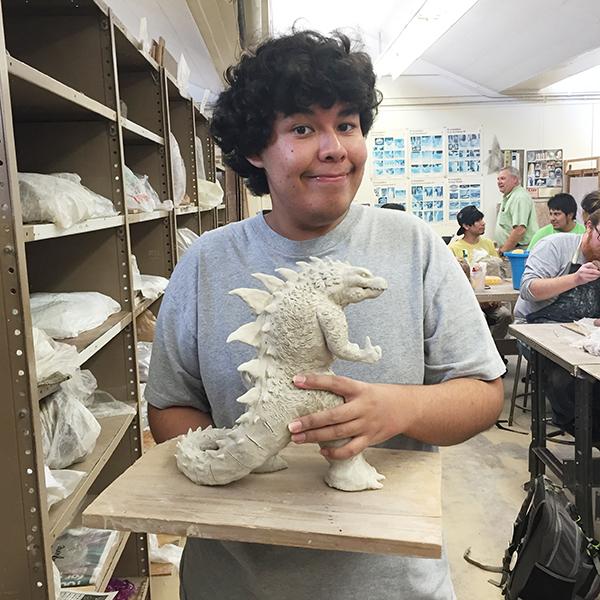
(497, 51)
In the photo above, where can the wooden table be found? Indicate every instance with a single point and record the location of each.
(503, 292)
(581, 475)
(293, 507)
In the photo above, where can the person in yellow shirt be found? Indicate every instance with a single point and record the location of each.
(472, 228)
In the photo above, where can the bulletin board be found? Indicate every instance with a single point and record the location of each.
(433, 173)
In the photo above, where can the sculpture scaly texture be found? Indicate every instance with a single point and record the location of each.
(300, 328)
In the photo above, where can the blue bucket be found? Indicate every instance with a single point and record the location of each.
(517, 265)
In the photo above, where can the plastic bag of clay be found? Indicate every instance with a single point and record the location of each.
(137, 198)
(185, 238)
(178, 169)
(67, 314)
(68, 429)
(150, 286)
(53, 360)
(145, 326)
(144, 353)
(210, 194)
(61, 483)
(144, 408)
(60, 199)
(200, 171)
(102, 404)
(167, 553)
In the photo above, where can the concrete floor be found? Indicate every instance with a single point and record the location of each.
(482, 493)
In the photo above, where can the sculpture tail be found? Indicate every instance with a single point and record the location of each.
(219, 456)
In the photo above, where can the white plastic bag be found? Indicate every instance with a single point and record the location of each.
(144, 353)
(200, 171)
(140, 195)
(185, 238)
(67, 314)
(210, 194)
(178, 169)
(150, 286)
(101, 404)
(69, 430)
(167, 553)
(61, 199)
(61, 483)
(53, 360)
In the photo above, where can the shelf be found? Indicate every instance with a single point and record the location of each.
(147, 216)
(36, 96)
(113, 430)
(106, 572)
(136, 134)
(186, 210)
(45, 389)
(43, 231)
(89, 342)
(129, 56)
(144, 305)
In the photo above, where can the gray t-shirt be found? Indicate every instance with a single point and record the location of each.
(551, 257)
(424, 323)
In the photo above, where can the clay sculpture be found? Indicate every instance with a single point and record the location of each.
(300, 328)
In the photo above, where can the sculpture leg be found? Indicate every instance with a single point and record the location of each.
(353, 474)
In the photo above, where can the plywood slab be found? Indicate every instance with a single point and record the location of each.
(293, 507)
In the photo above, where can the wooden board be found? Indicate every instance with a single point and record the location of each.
(293, 507)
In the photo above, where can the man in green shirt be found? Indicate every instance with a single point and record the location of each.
(562, 209)
(516, 223)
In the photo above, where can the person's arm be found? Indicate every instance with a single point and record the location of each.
(544, 289)
(516, 235)
(442, 414)
(167, 423)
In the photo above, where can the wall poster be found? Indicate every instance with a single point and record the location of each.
(427, 200)
(426, 153)
(462, 193)
(464, 151)
(545, 168)
(396, 194)
(388, 156)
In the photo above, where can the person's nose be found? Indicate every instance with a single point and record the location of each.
(330, 147)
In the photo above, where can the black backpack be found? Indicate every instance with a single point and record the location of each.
(549, 557)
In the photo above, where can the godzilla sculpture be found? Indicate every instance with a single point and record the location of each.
(300, 328)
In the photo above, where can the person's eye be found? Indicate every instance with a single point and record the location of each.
(346, 127)
(302, 130)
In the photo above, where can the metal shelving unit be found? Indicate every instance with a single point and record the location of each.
(78, 96)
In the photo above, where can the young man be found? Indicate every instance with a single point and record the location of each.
(472, 227)
(561, 283)
(293, 121)
(562, 209)
(516, 223)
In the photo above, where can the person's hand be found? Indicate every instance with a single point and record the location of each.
(370, 415)
(589, 271)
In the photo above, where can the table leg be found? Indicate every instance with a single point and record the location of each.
(538, 415)
(583, 452)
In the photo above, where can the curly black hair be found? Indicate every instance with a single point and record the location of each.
(287, 75)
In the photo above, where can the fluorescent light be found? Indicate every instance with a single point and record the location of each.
(430, 22)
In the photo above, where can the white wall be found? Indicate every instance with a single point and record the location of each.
(572, 126)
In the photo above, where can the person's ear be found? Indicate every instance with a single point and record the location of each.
(256, 161)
